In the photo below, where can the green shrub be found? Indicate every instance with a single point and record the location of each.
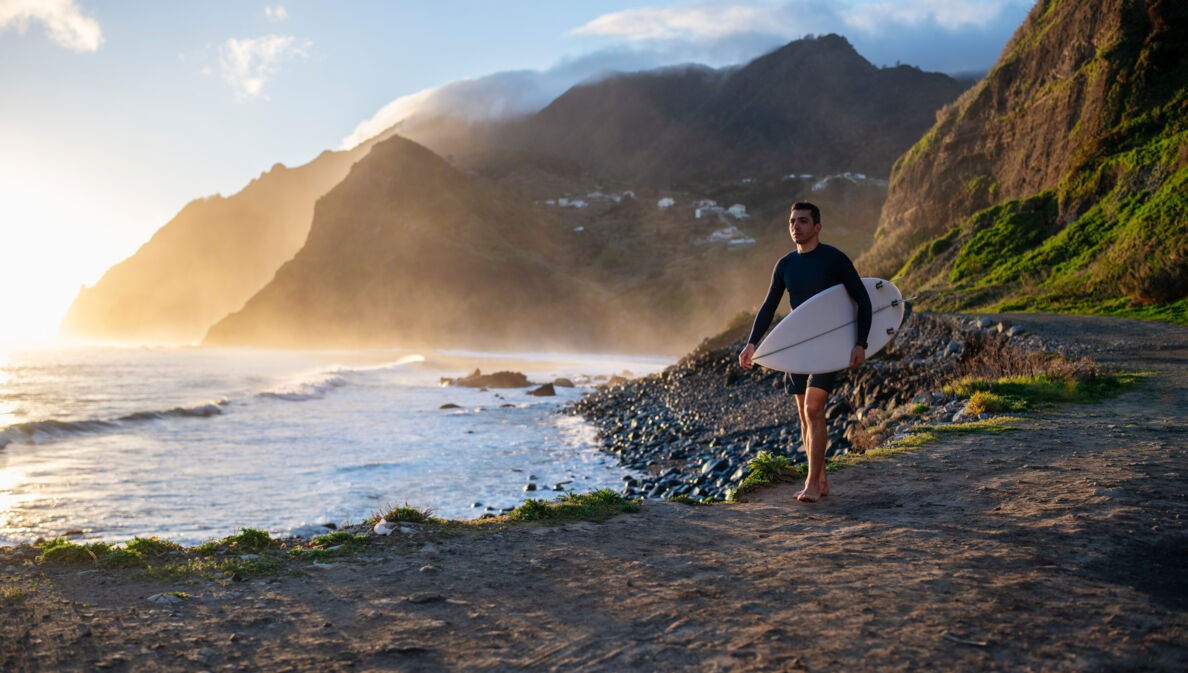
(594, 506)
(151, 546)
(119, 558)
(61, 550)
(406, 514)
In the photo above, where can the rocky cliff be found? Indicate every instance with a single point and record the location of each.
(408, 251)
(1057, 182)
(208, 260)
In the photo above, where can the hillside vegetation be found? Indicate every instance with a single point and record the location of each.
(1059, 182)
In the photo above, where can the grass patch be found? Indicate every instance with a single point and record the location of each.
(405, 514)
(211, 568)
(180, 594)
(12, 595)
(151, 546)
(594, 506)
(247, 541)
(924, 434)
(330, 545)
(119, 558)
(765, 469)
(61, 550)
(686, 499)
(1020, 393)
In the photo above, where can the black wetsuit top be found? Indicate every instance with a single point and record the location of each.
(804, 275)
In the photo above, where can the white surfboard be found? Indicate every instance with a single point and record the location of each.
(818, 336)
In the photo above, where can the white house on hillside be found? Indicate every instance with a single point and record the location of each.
(738, 210)
(666, 203)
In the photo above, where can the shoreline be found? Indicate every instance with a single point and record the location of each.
(1057, 546)
(692, 428)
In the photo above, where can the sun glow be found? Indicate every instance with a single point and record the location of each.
(51, 245)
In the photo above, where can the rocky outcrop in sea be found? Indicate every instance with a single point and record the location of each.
(691, 429)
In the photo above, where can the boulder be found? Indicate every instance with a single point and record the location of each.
(505, 379)
(563, 383)
(545, 390)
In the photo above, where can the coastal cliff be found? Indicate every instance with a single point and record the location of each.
(1058, 181)
(208, 260)
(407, 250)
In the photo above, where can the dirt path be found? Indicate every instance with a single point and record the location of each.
(1058, 547)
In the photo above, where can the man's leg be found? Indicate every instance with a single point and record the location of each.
(812, 413)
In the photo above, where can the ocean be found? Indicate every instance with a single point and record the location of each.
(194, 444)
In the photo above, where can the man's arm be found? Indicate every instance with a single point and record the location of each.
(764, 317)
(853, 284)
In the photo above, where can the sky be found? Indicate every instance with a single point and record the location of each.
(115, 114)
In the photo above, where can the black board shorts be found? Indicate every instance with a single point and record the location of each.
(797, 384)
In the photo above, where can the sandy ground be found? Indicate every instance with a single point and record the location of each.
(1058, 547)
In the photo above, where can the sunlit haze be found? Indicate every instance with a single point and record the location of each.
(115, 115)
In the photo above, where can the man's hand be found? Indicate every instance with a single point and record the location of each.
(857, 357)
(744, 358)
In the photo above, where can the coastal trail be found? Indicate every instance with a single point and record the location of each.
(1060, 546)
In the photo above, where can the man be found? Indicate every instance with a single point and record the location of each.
(809, 269)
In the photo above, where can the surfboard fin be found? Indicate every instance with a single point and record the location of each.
(891, 330)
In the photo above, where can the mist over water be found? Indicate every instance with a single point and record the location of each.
(193, 444)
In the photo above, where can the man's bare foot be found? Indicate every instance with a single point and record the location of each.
(811, 493)
(823, 486)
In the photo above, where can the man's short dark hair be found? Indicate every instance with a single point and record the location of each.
(805, 205)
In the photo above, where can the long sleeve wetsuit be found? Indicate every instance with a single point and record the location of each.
(804, 275)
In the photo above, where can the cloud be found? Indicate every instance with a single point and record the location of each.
(950, 15)
(63, 21)
(709, 21)
(946, 35)
(248, 64)
(502, 94)
(955, 36)
(276, 13)
(691, 21)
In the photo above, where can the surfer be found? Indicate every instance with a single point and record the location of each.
(802, 273)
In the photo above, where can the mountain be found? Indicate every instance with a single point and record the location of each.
(1059, 181)
(812, 106)
(407, 251)
(411, 248)
(208, 260)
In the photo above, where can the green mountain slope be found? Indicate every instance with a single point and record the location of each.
(1059, 181)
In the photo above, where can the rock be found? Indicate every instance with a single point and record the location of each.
(504, 379)
(402, 647)
(545, 390)
(429, 569)
(563, 383)
(384, 527)
(529, 487)
(449, 405)
(164, 599)
(422, 598)
(1003, 326)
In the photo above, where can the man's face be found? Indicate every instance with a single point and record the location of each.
(802, 227)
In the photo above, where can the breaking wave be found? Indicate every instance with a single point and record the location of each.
(315, 385)
(35, 432)
(309, 387)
